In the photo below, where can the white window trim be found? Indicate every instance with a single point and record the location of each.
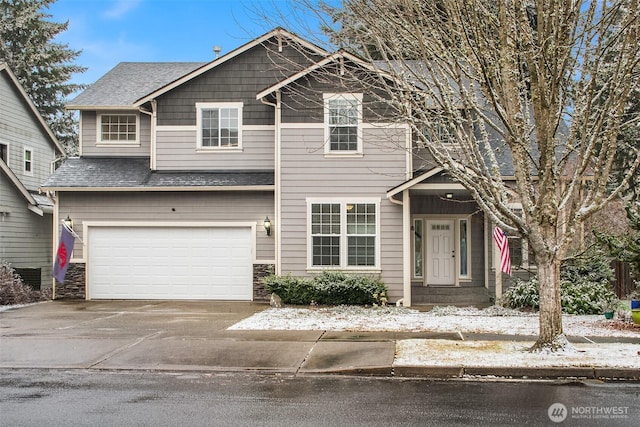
(6, 144)
(327, 131)
(343, 201)
(117, 143)
(24, 160)
(211, 105)
(467, 276)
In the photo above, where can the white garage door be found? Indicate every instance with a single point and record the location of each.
(170, 263)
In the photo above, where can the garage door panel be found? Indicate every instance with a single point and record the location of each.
(170, 263)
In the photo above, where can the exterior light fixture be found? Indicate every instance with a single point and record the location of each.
(68, 222)
(267, 226)
(449, 195)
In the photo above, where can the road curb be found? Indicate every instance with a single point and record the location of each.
(440, 372)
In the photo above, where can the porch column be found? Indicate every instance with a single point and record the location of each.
(406, 247)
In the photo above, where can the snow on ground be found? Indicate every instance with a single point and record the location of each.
(480, 353)
(494, 320)
(512, 353)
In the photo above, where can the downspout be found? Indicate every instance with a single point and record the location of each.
(152, 114)
(277, 191)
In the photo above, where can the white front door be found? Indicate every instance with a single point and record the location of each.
(440, 252)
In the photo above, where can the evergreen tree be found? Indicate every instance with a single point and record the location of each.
(42, 66)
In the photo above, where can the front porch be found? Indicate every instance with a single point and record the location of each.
(475, 296)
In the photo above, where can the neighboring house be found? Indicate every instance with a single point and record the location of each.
(28, 151)
(181, 165)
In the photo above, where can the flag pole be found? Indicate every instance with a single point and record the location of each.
(70, 230)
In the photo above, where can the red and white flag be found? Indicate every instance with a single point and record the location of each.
(63, 255)
(503, 244)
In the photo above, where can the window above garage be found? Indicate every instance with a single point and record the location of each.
(118, 129)
(219, 126)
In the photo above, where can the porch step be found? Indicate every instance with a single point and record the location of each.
(441, 295)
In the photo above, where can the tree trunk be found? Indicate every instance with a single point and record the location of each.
(551, 337)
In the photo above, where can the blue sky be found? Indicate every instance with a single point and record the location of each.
(113, 31)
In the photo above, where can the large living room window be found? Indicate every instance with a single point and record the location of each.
(343, 121)
(219, 125)
(344, 234)
(119, 128)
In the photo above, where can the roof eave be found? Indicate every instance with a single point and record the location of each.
(164, 188)
(54, 140)
(227, 57)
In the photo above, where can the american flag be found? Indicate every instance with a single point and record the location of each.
(503, 244)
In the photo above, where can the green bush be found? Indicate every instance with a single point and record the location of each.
(522, 294)
(584, 289)
(328, 287)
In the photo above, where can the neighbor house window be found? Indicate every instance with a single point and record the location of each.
(4, 153)
(119, 128)
(219, 125)
(344, 234)
(343, 119)
(28, 161)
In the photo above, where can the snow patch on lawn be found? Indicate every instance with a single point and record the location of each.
(436, 352)
(495, 320)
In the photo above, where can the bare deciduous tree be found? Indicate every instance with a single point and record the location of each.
(552, 78)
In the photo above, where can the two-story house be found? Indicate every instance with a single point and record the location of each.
(28, 151)
(197, 179)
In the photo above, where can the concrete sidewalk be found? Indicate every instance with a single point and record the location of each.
(183, 336)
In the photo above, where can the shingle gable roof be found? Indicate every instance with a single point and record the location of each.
(129, 81)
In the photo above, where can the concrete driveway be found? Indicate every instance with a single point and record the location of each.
(173, 335)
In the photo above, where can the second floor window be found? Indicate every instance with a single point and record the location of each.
(122, 128)
(219, 125)
(343, 119)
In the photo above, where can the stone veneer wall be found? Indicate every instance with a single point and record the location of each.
(74, 284)
(260, 271)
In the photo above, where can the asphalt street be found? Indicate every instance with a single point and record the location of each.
(138, 398)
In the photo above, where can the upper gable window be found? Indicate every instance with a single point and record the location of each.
(219, 125)
(119, 128)
(343, 121)
(28, 161)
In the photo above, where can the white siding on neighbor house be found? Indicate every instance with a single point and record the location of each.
(308, 173)
(176, 149)
(25, 237)
(89, 137)
(19, 129)
(148, 207)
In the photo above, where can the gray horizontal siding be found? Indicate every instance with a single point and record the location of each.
(89, 137)
(19, 128)
(306, 172)
(25, 237)
(189, 206)
(176, 150)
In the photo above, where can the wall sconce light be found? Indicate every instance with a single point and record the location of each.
(68, 222)
(449, 195)
(267, 226)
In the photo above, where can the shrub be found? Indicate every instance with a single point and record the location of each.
(584, 288)
(523, 294)
(328, 287)
(14, 291)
